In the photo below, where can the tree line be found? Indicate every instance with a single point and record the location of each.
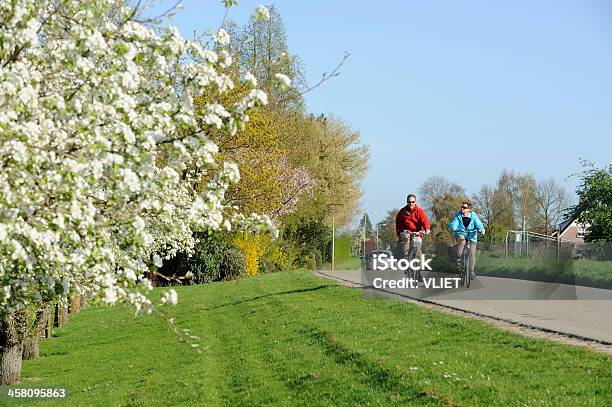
(515, 201)
(304, 171)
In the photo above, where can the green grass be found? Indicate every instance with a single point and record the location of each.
(295, 339)
(581, 272)
(342, 248)
(584, 272)
(353, 262)
(593, 272)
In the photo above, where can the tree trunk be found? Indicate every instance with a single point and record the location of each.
(50, 320)
(31, 349)
(56, 315)
(10, 363)
(61, 314)
(75, 304)
(64, 308)
(11, 348)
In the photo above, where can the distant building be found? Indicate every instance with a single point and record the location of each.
(571, 230)
(369, 246)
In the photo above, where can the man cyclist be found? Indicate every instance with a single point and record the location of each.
(411, 218)
(467, 219)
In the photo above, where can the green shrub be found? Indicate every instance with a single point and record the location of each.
(233, 264)
(312, 238)
(342, 248)
(443, 264)
(597, 250)
(312, 260)
(215, 258)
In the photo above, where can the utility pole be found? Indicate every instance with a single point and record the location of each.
(374, 213)
(363, 237)
(333, 248)
(525, 238)
(333, 240)
(377, 248)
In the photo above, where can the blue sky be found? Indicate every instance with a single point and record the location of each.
(461, 89)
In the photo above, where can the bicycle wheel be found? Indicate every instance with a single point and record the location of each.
(462, 269)
(468, 274)
(411, 272)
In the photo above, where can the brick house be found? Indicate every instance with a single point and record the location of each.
(571, 230)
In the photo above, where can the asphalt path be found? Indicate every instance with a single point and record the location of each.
(581, 312)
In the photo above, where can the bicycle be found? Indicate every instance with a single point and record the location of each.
(464, 263)
(410, 273)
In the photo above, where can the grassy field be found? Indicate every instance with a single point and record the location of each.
(590, 273)
(585, 272)
(581, 272)
(295, 339)
(353, 262)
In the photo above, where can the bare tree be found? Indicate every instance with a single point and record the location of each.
(495, 204)
(435, 187)
(484, 203)
(525, 187)
(441, 199)
(551, 200)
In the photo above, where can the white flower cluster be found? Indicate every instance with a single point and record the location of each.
(170, 297)
(250, 79)
(222, 37)
(262, 13)
(99, 144)
(255, 223)
(283, 80)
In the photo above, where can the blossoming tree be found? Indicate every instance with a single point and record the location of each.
(99, 152)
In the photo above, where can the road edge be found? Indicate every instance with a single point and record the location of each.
(521, 328)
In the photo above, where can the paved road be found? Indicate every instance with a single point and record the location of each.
(579, 311)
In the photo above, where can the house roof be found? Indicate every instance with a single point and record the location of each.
(565, 224)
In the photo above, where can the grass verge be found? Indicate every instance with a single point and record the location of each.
(295, 339)
(584, 272)
(353, 262)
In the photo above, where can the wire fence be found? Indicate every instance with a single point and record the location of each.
(535, 245)
(535, 257)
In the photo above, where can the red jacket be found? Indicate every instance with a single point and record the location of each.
(414, 221)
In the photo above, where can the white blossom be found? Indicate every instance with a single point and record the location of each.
(110, 295)
(226, 59)
(250, 79)
(222, 37)
(130, 275)
(88, 106)
(170, 296)
(262, 13)
(283, 79)
(157, 260)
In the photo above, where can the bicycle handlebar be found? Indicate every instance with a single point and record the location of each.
(422, 232)
(467, 230)
(415, 233)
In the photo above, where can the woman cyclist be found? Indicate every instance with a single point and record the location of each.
(466, 219)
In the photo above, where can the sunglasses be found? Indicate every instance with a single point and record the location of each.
(465, 207)
(411, 202)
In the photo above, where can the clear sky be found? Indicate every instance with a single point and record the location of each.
(461, 89)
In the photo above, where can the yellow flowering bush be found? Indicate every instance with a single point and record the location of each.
(252, 248)
(265, 254)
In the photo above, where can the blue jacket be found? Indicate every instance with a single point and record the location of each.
(457, 223)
